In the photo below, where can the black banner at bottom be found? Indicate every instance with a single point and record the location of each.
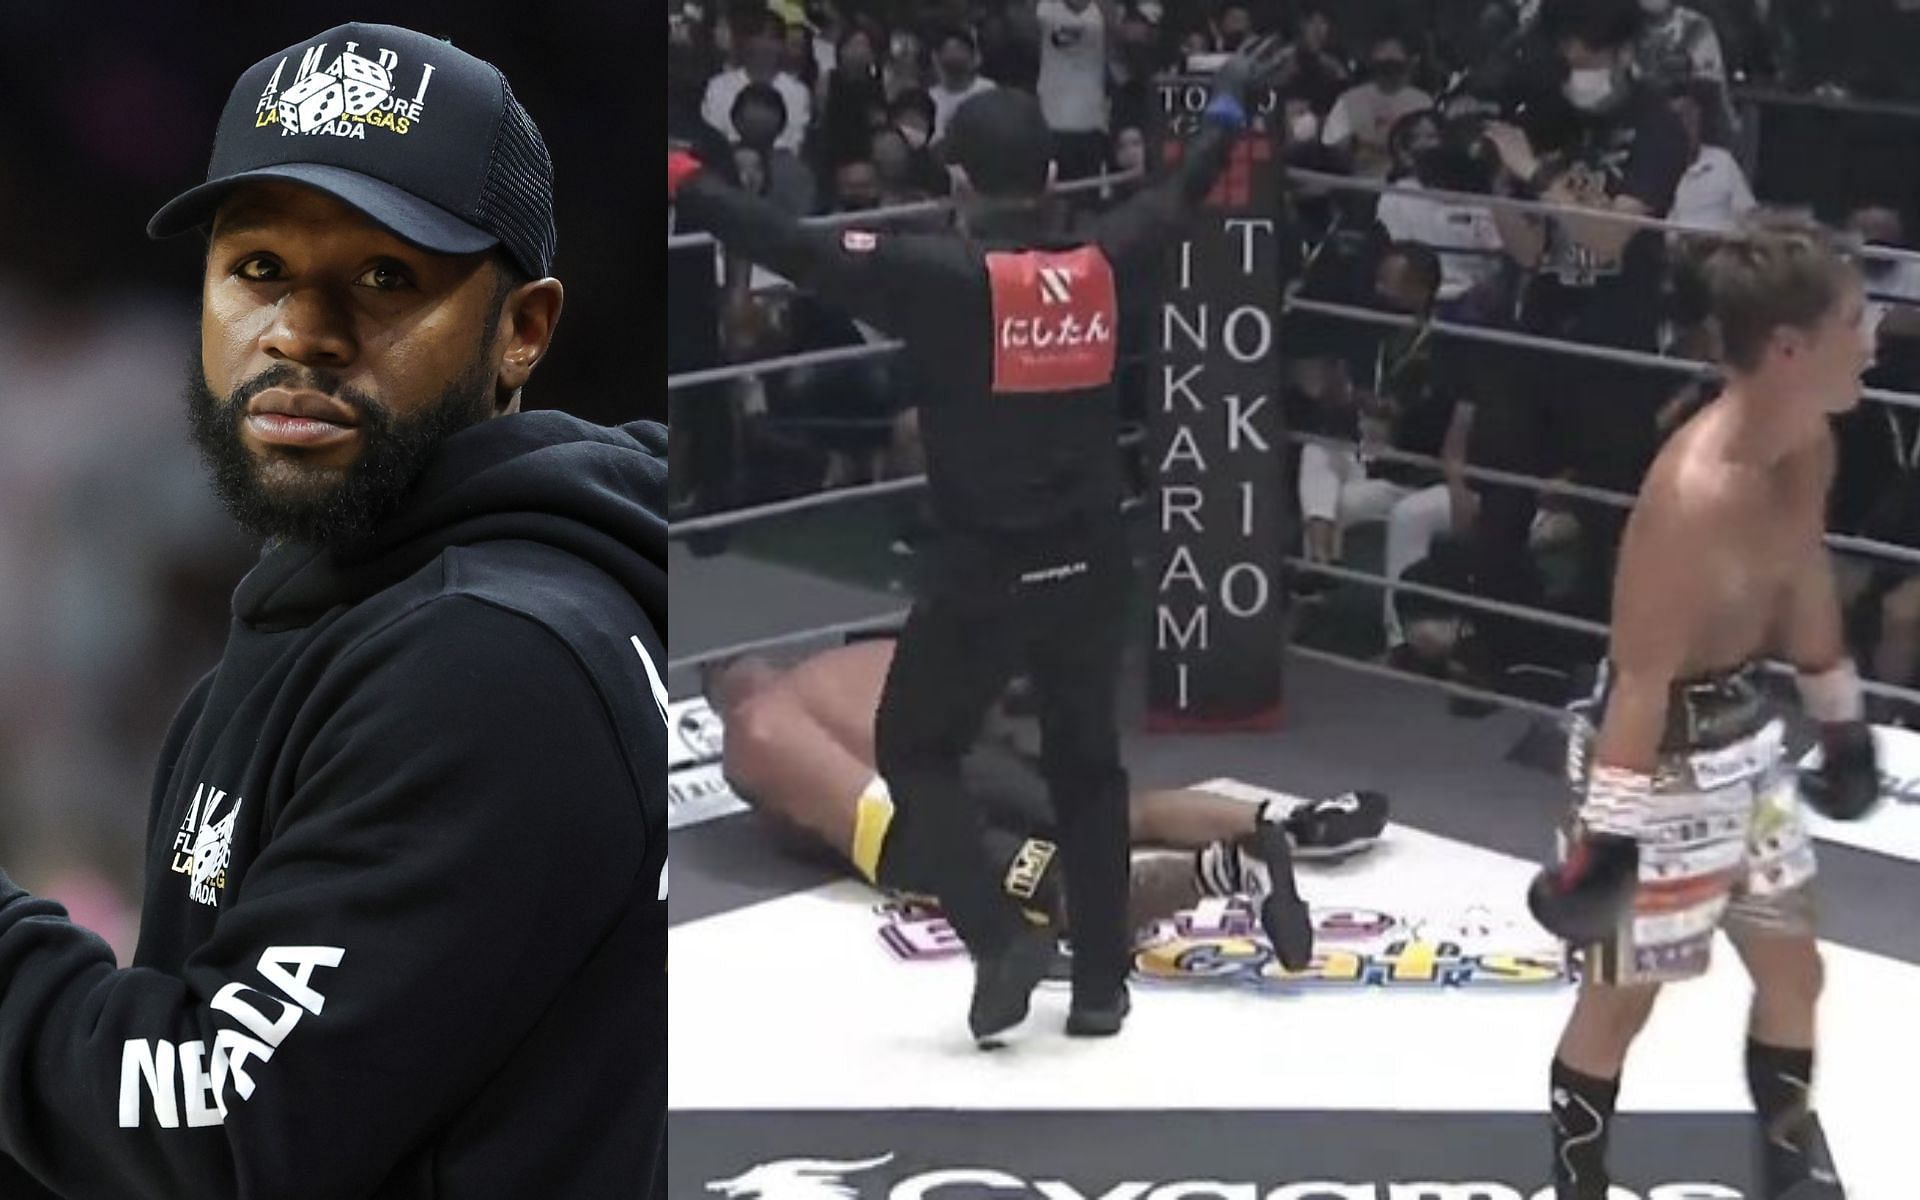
(1185, 1155)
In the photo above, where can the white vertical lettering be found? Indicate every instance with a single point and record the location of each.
(1183, 384)
(1186, 265)
(303, 959)
(1196, 334)
(1263, 333)
(1167, 628)
(1246, 510)
(1182, 567)
(1245, 226)
(1239, 424)
(1170, 506)
(426, 73)
(150, 1062)
(388, 60)
(1242, 570)
(1182, 703)
(1183, 447)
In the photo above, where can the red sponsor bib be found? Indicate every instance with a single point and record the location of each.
(1054, 320)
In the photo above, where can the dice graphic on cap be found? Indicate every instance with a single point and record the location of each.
(312, 102)
(365, 82)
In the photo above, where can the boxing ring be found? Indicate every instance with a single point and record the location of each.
(818, 1040)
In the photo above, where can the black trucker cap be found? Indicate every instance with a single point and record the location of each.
(426, 140)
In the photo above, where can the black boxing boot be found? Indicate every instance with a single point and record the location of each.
(1003, 984)
(1795, 1163)
(1582, 1113)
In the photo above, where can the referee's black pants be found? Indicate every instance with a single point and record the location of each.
(1053, 604)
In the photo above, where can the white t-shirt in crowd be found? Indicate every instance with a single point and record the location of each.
(1366, 114)
(1444, 226)
(946, 100)
(1073, 67)
(1713, 194)
(716, 108)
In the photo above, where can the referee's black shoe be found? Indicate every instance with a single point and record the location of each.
(1099, 1020)
(1283, 914)
(1003, 985)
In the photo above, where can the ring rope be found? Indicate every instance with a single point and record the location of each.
(918, 208)
(851, 493)
(1464, 690)
(1548, 208)
(1846, 543)
(1557, 620)
(1506, 337)
(838, 629)
(785, 362)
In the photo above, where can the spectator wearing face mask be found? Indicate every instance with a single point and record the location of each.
(1312, 205)
(1363, 116)
(957, 61)
(762, 47)
(1590, 282)
(1311, 67)
(1467, 230)
(1074, 45)
(1714, 193)
(758, 115)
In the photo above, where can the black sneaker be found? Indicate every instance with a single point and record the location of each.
(1003, 985)
(1337, 826)
(1099, 1020)
(1283, 914)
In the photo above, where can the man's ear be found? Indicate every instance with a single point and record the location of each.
(528, 317)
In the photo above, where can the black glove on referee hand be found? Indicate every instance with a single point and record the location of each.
(1846, 785)
(1252, 67)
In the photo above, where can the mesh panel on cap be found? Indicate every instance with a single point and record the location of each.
(516, 201)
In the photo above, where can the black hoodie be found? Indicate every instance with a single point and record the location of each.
(404, 925)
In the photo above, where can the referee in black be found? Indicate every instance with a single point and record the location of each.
(1013, 328)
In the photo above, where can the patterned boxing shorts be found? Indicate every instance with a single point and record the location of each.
(1722, 843)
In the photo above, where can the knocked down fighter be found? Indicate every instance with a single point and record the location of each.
(799, 749)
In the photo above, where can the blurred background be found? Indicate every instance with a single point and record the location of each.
(116, 564)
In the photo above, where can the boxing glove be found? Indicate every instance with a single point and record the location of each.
(1846, 784)
(1584, 898)
(681, 166)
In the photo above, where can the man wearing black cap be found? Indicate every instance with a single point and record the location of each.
(1013, 329)
(403, 927)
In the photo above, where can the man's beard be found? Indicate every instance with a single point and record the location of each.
(281, 496)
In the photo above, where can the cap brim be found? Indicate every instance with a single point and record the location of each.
(399, 212)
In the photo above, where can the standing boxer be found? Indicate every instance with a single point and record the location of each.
(1014, 330)
(1689, 820)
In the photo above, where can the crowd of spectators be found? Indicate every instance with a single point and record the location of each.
(1696, 111)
